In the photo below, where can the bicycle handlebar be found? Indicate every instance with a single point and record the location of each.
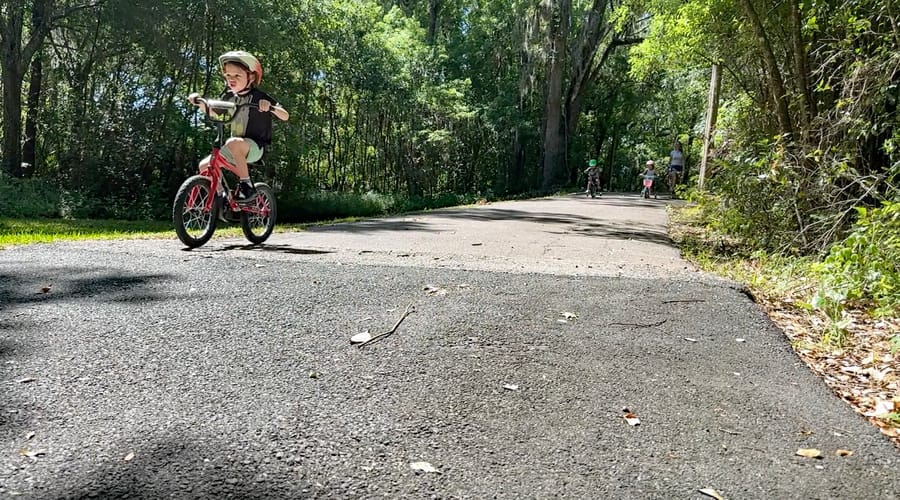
(216, 107)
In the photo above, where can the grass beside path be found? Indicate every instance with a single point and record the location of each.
(25, 231)
(28, 231)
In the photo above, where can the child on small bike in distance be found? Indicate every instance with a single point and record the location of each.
(649, 178)
(251, 129)
(593, 175)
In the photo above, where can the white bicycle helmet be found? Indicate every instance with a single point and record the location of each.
(245, 59)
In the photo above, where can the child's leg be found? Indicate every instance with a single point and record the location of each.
(238, 149)
(204, 163)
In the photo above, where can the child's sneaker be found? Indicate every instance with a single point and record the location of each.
(223, 203)
(246, 194)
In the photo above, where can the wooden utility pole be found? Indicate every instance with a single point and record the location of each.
(712, 112)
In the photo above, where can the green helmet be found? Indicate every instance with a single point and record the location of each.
(592, 163)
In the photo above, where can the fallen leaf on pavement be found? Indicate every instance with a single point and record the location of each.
(511, 387)
(569, 315)
(843, 453)
(29, 435)
(712, 493)
(690, 339)
(809, 453)
(129, 457)
(434, 290)
(423, 467)
(46, 289)
(359, 338)
(26, 380)
(32, 454)
(632, 419)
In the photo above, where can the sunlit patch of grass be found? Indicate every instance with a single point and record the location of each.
(28, 231)
(31, 231)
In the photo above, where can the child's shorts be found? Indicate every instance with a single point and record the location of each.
(254, 155)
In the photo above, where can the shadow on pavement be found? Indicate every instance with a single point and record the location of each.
(621, 231)
(182, 467)
(271, 248)
(497, 214)
(372, 225)
(58, 285)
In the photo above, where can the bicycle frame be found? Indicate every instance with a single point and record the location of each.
(217, 162)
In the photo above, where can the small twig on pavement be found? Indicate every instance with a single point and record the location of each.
(639, 325)
(409, 310)
(726, 431)
(684, 301)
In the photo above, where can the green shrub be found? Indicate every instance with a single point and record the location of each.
(323, 206)
(317, 206)
(866, 265)
(28, 198)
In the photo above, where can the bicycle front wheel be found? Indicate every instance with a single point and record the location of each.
(194, 224)
(258, 221)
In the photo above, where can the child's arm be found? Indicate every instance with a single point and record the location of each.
(193, 100)
(279, 112)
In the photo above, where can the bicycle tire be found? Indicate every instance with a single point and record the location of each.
(259, 222)
(194, 225)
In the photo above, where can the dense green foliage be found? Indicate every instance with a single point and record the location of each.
(866, 265)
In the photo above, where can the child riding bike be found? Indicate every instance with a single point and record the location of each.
(649, 176)
(593, 177)
(251, 129)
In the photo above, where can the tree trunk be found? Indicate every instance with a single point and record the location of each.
(554, 128)
(434, 14)
(15, 56)
(606, 176)
(801, 64)
(584, 60)
(712, 113)
(12, 76)
(29, 147)
(774, 78)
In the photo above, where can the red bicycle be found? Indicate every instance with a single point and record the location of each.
(203, 199)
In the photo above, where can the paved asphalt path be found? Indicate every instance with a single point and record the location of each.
(148, 371)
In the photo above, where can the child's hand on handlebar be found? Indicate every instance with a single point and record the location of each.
(264, 106)
(193, 98)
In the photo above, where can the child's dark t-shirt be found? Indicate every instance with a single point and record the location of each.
(250, 122)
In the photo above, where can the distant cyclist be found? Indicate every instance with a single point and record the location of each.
(593, 176)
(649, 178)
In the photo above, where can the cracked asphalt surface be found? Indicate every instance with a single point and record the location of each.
(148, 371)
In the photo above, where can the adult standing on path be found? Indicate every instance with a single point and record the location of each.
(676, 166)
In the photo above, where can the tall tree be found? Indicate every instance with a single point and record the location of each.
(573, 67)
(17, 48)
(773, 74)
(559, 14)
